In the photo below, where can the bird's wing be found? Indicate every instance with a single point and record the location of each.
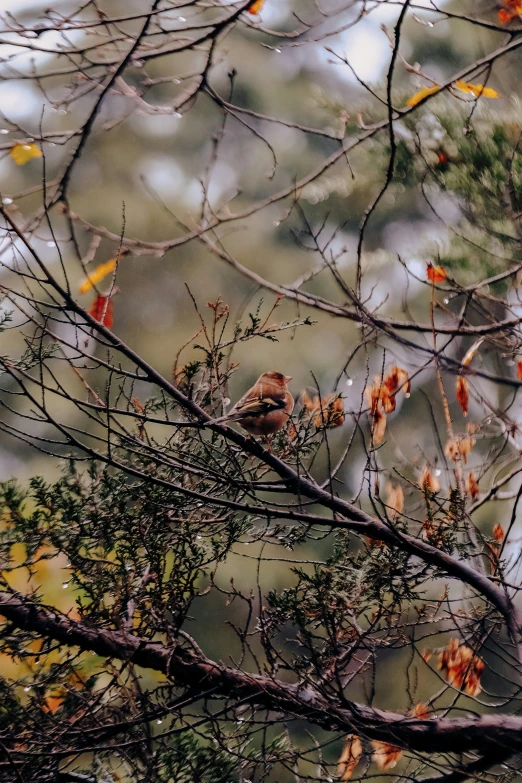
(253, 406)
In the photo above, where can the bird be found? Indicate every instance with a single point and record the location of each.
(265, 408)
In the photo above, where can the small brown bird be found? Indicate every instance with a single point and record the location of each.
(265, 408)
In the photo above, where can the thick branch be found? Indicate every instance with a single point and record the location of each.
(488, 733)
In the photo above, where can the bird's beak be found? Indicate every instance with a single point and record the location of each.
(288, 378)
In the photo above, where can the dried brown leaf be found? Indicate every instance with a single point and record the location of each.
(351, 754)
(385, 755)
(379, 427)
(461, 667)
(498, 533)
(428, 480)
(420, 711)
(395, 499)
(472, 486)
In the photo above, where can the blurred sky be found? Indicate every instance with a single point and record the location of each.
(365, 45)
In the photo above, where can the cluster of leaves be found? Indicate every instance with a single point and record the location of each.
(332, 607)
(133, 549)
(188, 759)
(477, 164)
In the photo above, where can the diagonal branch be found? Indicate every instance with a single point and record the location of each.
(352, 517)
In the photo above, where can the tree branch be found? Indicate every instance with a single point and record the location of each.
(487, 733)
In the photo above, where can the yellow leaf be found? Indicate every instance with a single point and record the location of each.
(22, 153)
(419, 96)
(477, 89)
(97, 275)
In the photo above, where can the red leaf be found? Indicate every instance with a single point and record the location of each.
(435, 274)
(463, 393)
(505, 16)
(102, 310)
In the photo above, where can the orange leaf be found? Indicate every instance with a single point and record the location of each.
(519, 369)
(428, 481)
(419, 96)
(420, 711)
(328, 411)
(52, 703)
(385, 755)
(505, 16)
(472, 486)
(461, 667)
(331, 412)
(463, 393)
(512, 8)
(465, 446)
(395, 379)
(373, 395)
(498, 533)
(458, 446)
(381, 398)
(308, 402)
(351, 754)
(256, 7)
(426, 654)
(379, 427)
(435, 274)
(451, 449)
(395, 500)
(102, 310)
(137, 405)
